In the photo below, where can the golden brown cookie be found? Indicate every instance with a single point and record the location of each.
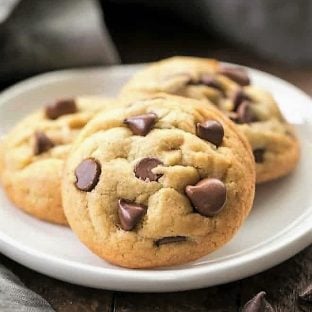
(275, 147)
(161, 181)
(32, 155)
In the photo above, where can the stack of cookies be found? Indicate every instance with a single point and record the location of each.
(163, 174)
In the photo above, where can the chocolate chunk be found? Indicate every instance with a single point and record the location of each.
(237, 74)
(87, 174)
(130, 214)
(208, 196)
(258, 304)
(211, 82)
(141, 124)
(42, 143)
(143, 169)
(60, 108)
(238, 97)
(170, 240)
(306, 295)
(208, 81)
(244, 113)
(211, 131)
(259, 155)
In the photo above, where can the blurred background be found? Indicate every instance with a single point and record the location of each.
(42, 35)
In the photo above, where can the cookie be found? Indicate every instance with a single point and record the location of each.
(33, 153)
(161, 181)
(274, 144)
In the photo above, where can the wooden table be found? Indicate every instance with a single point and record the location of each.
(282, 283)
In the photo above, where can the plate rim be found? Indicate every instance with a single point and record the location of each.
(300, 237)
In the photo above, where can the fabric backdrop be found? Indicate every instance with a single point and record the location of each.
(43, 35)
(276, 29)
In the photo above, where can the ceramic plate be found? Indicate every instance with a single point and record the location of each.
(279, 225)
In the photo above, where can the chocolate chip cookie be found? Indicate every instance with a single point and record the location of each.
(275, 147)
(33, 153)
(161, 181)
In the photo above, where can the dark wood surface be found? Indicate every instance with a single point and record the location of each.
(282, 283)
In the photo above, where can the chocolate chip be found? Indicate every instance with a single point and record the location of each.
(143, 169)
(209, 81)
(170, 240)
(211, 131)
(87, 174)
(238, 97)
(42, 143)
(130, 214)
(259, 155)
(237, 74)
(306, 295)
(208, 196)
(206, 80)
(244, 113)
(258, 304)
(141, 124)
(60, 108)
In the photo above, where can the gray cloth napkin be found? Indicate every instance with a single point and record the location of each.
(15, 297)
(38, 36)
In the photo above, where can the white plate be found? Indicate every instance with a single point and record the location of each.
(278, 227)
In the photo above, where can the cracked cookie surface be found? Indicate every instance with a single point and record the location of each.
(33, 153)
(146, 186)
(275, 147)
